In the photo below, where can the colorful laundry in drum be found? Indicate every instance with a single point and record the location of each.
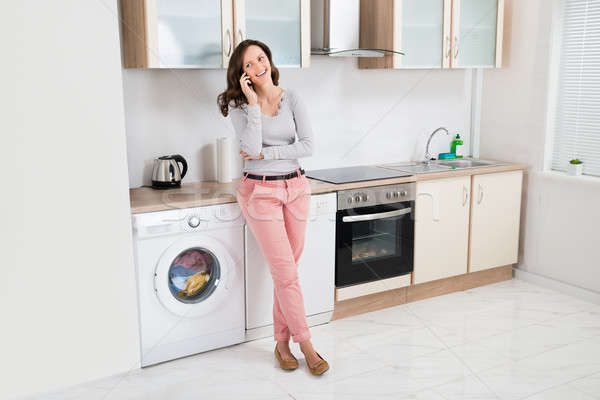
(190, 272)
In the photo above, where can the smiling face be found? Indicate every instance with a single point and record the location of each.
(256, 65)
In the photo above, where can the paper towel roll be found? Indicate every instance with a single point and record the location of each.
(224, 159)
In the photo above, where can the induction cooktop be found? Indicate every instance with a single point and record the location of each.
(353, 174)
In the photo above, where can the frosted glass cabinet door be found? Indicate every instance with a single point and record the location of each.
(421, 33)
(277, 24)
(189, 33)
(475, 24)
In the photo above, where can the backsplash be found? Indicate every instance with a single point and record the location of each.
(358, 116)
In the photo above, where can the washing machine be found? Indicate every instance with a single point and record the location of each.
(190, 280)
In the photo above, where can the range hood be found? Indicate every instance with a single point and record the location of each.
(335, 30)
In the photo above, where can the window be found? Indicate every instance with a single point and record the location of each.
(577, 115)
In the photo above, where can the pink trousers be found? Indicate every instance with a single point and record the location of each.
(276, 212)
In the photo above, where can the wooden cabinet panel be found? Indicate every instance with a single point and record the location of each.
(376, 32)
(495, 218)
(441, 228)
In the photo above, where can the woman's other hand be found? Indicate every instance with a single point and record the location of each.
(250, 94)
(249, 157)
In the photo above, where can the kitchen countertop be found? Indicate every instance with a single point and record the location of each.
(204, 193)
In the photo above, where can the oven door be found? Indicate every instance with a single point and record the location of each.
(374, 243)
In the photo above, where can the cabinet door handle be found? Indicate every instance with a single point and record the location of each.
(465, 195)
(241, 36)
(480, 194)
(456, 47)
(449, 46)
(229, 42)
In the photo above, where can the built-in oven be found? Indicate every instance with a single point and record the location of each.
(374, 233)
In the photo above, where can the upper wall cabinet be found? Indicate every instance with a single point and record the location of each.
(414, 27)
(177, 33)
(477, 33)
(283, 25)
(203, 33)
(433, 33)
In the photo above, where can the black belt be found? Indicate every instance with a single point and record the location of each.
(274, 177)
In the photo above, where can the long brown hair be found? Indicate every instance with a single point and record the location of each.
(233, 95)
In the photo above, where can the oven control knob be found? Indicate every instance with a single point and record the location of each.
(365, 197)
(388, 195)
(396, 194)
(403, 193)
(350, 200)
(193, 221)
(357, 198)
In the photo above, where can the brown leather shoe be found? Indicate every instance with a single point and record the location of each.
(286, 364)
(319, 367)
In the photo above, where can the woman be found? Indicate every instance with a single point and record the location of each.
(274, 193)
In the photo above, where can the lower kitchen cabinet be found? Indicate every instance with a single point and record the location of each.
(496, 210)
(441, 228)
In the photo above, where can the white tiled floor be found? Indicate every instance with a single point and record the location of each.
(510, 340)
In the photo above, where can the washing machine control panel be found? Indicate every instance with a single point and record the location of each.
(193, 219)
(210, 217)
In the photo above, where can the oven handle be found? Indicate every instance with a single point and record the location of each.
(370, 217)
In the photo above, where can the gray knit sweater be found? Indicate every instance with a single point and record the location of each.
(275, 136)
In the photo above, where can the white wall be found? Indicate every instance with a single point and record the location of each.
(175, 111)
(560, 218)
(67, 299)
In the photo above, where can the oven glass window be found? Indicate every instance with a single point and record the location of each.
(193, 275)
(374, 239)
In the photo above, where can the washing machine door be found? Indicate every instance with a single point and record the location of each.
(193, 276)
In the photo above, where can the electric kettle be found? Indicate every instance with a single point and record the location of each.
(166, 173)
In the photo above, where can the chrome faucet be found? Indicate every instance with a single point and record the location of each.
(427, 154)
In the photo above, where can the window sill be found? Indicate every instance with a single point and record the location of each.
(593, 180)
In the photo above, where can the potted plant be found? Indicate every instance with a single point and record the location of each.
(575, 167)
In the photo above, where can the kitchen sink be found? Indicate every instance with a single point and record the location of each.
(466, 163)
(420, 167)
(416, 167)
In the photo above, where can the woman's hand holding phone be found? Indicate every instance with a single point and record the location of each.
(250, 94)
